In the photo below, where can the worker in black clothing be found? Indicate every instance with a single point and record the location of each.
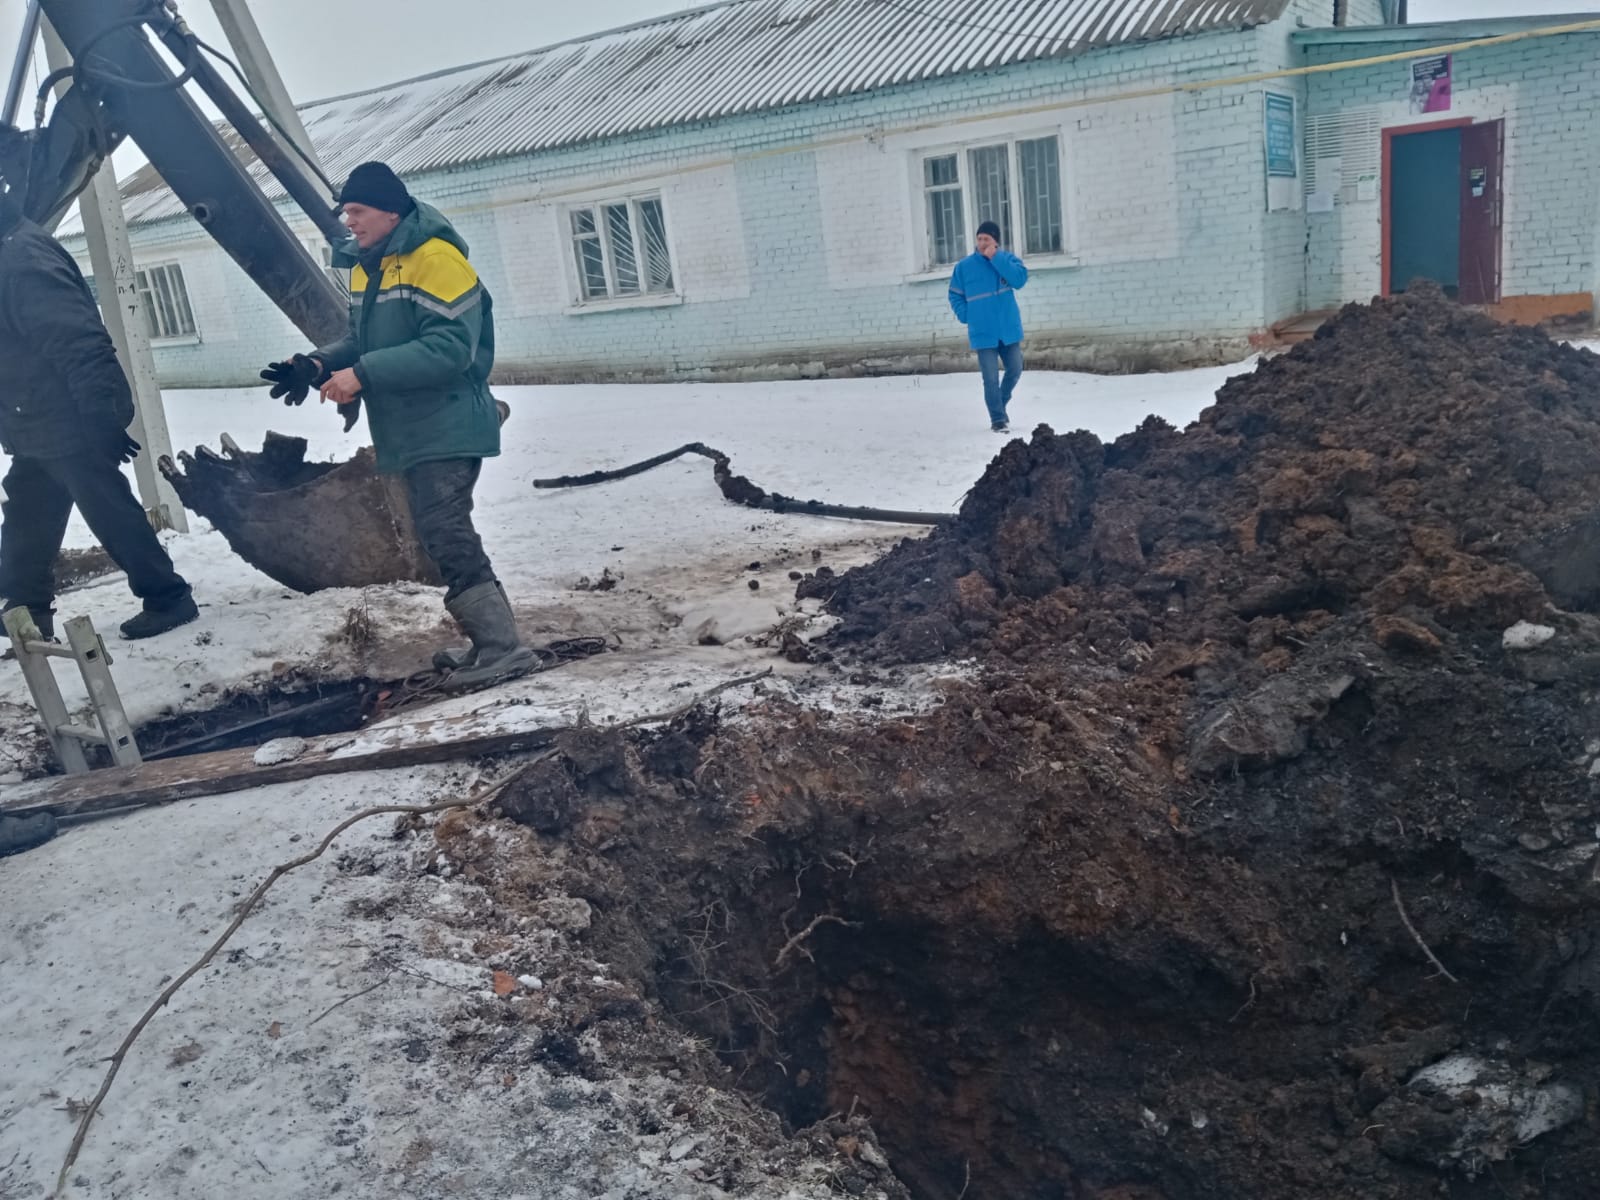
(65, 408)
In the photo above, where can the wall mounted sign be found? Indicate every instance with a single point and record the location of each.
(1280, 136)
(1430, 84)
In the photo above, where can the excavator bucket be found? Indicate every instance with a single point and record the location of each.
(309, 526)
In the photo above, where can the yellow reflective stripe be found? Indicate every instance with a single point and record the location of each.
(440, 270)
(435, 269)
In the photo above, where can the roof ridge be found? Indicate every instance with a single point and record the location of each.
(666, 18)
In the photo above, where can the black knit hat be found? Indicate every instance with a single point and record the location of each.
(376, 186)
(991, 229)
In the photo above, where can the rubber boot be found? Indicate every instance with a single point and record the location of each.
(24, 833)
(453, 658)
(484, 613)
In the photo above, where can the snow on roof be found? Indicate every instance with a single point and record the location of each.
(739, 56)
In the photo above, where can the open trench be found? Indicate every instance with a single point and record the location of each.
(1048, 977)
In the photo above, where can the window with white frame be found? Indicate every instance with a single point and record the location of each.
(1016, 184)
(165, 301)
(620, 249)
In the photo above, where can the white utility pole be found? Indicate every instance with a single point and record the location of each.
(111, 255)
(244, 36)
(19, 69)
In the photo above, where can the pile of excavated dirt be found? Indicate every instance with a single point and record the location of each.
(1412, 462)
(1259, 859)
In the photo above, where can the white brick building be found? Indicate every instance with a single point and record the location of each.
(779, 186)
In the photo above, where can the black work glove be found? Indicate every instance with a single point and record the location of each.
(351, 413)
(118, 446)
(293, 380)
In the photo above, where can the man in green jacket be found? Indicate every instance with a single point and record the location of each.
(418, 354)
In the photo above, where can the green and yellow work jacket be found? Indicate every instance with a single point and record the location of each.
(421, 341)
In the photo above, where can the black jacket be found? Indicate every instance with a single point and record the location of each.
(62, 390)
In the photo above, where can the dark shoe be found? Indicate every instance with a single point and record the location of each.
(1000, 427)
(24, 833)
(155, 621)
(484, 614)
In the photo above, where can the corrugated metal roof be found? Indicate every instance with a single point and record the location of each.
(741, 56)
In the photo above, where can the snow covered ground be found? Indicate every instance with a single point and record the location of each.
(248, 1085)
(681, 551)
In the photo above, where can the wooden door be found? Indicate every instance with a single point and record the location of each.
(1482, 155)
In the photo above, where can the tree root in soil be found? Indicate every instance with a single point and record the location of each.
(740, 490)
(797, 942)
(481, 796)
(1405, 919)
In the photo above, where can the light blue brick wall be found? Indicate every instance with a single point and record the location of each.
(1212, 289)
(1547, 93)
(1206, 272)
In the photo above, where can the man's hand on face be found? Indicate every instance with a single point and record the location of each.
(342, 387)
(987, 246)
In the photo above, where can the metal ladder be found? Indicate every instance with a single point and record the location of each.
(94, 664)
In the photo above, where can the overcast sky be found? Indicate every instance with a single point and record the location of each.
(318, 43)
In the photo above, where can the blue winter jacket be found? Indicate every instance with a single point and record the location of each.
(983, 295)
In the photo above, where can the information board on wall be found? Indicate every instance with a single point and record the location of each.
(1430, 84)
(1280, 136)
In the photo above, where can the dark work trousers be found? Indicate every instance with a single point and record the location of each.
(441, 507)
(40, 493)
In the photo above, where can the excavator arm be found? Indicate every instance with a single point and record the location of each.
(272, 506)
(122, 86)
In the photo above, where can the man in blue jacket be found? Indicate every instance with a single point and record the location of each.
(983, 293)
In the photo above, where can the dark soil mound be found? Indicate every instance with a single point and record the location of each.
(1415, 460)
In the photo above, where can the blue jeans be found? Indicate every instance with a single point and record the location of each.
(997, 391)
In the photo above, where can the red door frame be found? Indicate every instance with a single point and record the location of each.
(1389, 134)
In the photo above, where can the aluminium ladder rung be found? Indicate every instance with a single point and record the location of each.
(85, 647)
(83, 733)
(50, 649)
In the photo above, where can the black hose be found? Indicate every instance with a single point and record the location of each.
(266, 111)
(740, 490)
(82, 70)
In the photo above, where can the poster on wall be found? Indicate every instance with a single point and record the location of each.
(1430, 84)
(1280, 136)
